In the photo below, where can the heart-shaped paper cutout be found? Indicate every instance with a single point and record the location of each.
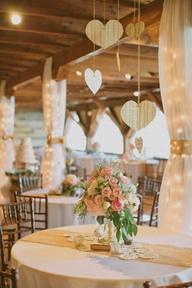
(104, 35)
(135, 30)
(139, 144)
(130, 30)
(93, 79)
(139, 28)
(138, 116)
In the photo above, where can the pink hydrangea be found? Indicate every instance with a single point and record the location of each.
(117, 205)
(125, 180)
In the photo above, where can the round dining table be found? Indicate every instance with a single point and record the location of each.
(61, 209)
(43, 262)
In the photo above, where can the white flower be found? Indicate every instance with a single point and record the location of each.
(132, 188)
(71, 179)
(106, 205)
(134, 202)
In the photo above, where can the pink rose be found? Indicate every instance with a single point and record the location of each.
(98, 200)
(95, 210)
(106, 192)
(125, 180)
(113, 181)
(116, 192)
(106, 171)
(117, 205)
(89, 203)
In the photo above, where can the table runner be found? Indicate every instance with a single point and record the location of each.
(170, 255)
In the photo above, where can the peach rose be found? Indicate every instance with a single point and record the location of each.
(117, 205)
(89, 203)
(98, 200)
(116, 192)
(113, 181)
(106, 192)
(106, 171)
(71, 179)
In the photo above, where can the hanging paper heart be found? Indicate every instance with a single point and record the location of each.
(139, 144)
(139, 28)
(130, 30)
(104, 35)
(93, 79)
(135, 30)
(138, 116)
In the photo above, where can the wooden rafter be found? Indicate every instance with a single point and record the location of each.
(78, 52)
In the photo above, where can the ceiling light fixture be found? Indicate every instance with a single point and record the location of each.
(78, 73)
(128, 76)
(16, 19)
(136, 93)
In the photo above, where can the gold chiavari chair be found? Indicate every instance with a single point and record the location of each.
(27, 183)
(148, 284)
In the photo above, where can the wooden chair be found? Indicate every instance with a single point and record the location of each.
(27, 183)
(148, 284)
(8, 278)
(149, 192)
(39, 205)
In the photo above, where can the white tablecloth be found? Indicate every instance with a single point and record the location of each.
(46, 266)
(61, 210)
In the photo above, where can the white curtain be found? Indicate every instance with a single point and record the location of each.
(175, 62)
(7, 153)
(54, 106)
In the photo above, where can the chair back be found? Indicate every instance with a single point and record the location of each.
(148, 284)
(149, 191)
(8, 278)
(39, 206)
(27, 183)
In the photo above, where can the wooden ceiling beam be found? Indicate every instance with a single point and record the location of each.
(149, 14)
(45, 25)
(30, 37)
(44, 8)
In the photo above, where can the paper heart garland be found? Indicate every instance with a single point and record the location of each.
(104, 35)
(139, 144)
(135, 30)
(93, 79)
(138, 116)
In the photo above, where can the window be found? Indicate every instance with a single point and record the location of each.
(108, 136)
(155, 137)
(75, 137)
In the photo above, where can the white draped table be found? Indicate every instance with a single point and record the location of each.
(61, 210)
(43, 265)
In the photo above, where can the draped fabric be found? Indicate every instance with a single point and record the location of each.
(54, 107)
(7, 153)
(175, 62)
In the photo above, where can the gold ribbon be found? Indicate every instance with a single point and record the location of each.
(7, 137)
(179, 147)
(54, 140)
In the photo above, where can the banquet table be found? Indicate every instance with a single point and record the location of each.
(41, 264)
(61, 210)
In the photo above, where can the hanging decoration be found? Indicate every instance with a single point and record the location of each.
(135, 29)
(93, 79)
(139, 144)
(117, 53)
(104, 34)
(137, 115)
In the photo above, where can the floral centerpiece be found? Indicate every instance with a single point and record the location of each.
(70, 185)
(110, 195)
